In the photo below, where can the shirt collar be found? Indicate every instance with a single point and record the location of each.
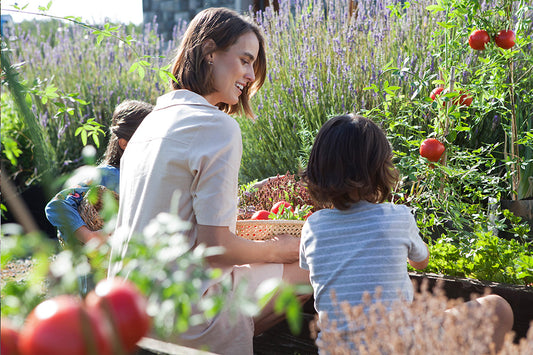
(181, 97)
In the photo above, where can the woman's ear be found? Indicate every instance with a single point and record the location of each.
(122, 143)
(208, 47)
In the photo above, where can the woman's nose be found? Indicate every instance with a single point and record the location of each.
(250, 75)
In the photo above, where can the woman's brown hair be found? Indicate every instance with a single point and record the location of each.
(351, 160)
(190, 66)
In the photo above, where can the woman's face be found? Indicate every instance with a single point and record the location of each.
(233, 69)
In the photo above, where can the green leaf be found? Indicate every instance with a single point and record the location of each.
(435, 8)
(447, 25)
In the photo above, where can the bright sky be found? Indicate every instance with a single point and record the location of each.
(91, 11)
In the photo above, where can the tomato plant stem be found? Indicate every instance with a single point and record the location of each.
(515, 178)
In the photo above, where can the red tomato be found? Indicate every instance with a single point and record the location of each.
(126, 307)
(505, 39)
(281, 204)
(61, 325)
(478, 39)
(431, 149)
(10, 338)
(261, 214)
(465, 100)
(436, 92)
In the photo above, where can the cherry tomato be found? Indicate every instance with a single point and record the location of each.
(125, 306)
(62, 326)
(478, 39)
(10, 338)
(505, 39)
(280, 205)
(261, 214)
(431, 149)
(436, 92)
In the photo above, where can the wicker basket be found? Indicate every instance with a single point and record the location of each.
(90, 213)
(266, 229)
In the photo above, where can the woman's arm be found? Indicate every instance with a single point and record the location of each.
(282, 249)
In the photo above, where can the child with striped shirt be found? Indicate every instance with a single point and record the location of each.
(363, 242)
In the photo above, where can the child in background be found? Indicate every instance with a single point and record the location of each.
(62, 210)
(363, 242)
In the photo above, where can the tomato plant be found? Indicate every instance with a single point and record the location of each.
(505, 39)
(125, 308)
(261, 214)
(10, 337)
(62, 325)
(431, 149)
(478, 39)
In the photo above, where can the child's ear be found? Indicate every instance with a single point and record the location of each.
(122, 143)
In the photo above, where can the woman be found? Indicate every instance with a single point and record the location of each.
(62, 210)
(189, 148)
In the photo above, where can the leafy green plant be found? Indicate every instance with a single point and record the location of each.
(483, 256)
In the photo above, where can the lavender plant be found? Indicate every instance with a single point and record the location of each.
(75, 78)
(321, 57)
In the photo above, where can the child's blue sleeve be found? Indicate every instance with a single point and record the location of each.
(62, 210)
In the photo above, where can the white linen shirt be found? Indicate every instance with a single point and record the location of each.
(185, 149)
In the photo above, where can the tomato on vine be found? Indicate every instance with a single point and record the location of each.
(505, 39)
(478, 39)
(436, 92)
(432, 149)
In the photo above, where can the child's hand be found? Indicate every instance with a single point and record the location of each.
(84, 234)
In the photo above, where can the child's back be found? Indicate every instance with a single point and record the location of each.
(354, 251)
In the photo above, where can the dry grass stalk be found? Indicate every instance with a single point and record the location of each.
(420, 327)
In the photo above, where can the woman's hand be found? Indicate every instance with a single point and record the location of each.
(237, 251)
(287, 248)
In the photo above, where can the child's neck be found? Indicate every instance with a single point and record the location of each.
(354, 196)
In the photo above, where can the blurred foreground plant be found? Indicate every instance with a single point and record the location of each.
(420, 327)
(159, 262)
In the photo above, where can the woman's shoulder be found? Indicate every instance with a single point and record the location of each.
(188, 107)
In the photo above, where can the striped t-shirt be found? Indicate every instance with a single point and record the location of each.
(357, 250)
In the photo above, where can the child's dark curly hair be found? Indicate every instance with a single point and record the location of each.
(351, 160)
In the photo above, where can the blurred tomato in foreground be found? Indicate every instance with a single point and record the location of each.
(9, 338)
(125, 306)
(62, 326)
